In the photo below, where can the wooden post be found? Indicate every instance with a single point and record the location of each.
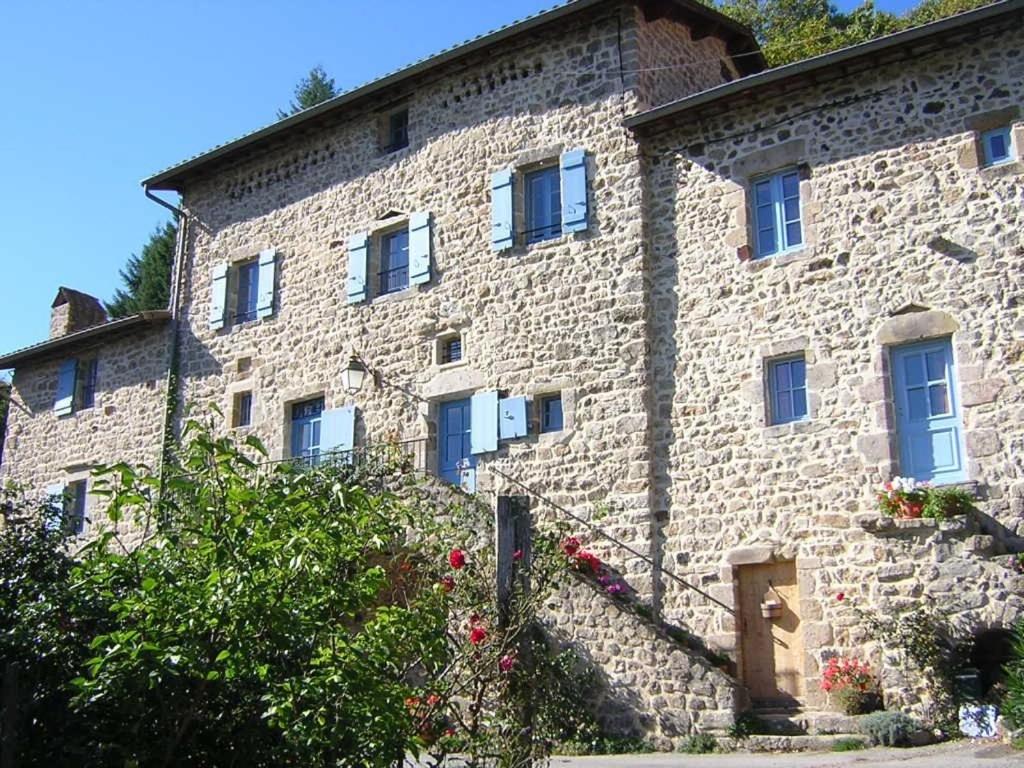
(9, 738)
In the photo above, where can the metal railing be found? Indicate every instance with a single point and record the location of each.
(394, 280)
(655, 567)
(410, 455)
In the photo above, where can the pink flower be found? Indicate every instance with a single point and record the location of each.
(517, 555)
(614, 589)
(447, 583)
(571, 546)
(507, 662)
(477, 635)
(457, 559)
(841, 596)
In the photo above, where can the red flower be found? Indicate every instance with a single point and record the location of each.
(433, 700)
(588, 559)
(517, 555)
(447, 583)
(507, 662)
(477, 635)
(412, 702)
(457, 559)
(475, 619)
(840, 597)
(449, 731)
(571, 546)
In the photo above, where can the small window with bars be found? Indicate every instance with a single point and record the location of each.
(243, 410)
(451, 350)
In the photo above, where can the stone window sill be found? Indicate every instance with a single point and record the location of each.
(776, 431)
(1010, 168)
(441, 367)
(403, 295)
(880, 525)
(806, 253)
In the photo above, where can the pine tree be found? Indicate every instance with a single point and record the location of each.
(311, 90)
(147, 277)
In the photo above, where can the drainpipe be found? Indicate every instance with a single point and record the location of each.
(177, 270)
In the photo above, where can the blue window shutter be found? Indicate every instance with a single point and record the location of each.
(64, 403)
(358, 254)
(267, 283)
(219, 299)
(574, 191)
(419, 248)
(502, 233)
(512, 418)
(483, 422)
(338, 430)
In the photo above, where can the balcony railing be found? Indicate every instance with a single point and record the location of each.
(394, 280)
(408, 455)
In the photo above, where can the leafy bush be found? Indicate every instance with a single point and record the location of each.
(848, 744)
(944, 503)
(700, 744)
(889, 729)
(1013, 702)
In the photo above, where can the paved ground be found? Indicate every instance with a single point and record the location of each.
(958, 755)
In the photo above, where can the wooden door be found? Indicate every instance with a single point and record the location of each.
(772, 650)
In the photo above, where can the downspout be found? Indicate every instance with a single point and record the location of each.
(171, 403)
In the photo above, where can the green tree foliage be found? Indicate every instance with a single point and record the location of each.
(311, 90)
(1013, 703)
(147, 277)
(791, 30)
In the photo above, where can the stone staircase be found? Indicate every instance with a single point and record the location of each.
(796, 730)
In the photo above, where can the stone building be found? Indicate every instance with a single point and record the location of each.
(600, 260)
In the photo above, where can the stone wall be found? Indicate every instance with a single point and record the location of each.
(564, 315)
(125, 424)
(906, 238)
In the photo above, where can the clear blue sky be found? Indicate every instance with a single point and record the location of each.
(98, 95)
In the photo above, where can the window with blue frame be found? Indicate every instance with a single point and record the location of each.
(997, 146)
(247, 292)
(551, 414)
(777, 223)
(397, 135)
(243, 409)
(306, 421)
(87, 374)
(75, 497)
(394, 261)
(543, 202)
(787, 390)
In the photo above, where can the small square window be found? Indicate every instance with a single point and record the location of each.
(777, 217)
(247, 291)
(997, 146)
(551, 414)
(243, 409)
(543, 202)
(75, 497)
(787, 390)
(451, 350)
(85, 383)
(394, 261)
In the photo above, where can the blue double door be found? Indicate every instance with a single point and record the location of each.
(453, 441)
(928, 413)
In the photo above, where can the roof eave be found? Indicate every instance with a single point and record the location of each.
(173, 178)
(796, 70)
(72, 340)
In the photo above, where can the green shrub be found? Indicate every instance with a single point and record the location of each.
(944, 503)
(848, 745)
(700, 744)
(889, 729)
(1013, 702)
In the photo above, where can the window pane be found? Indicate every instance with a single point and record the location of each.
(791, 185)
(793, 234)
(913, 370)
(766, 241)
(543, 205)
(791, 209)
(997, 146)
(939, 399)
(783, 408)
(551, 419)
(783, 380)
(763, 193)
(798, 373)
(936, 366)
(799, 403)
(917, 403)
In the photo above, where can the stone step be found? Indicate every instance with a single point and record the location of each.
(779, 743)
(804, 722)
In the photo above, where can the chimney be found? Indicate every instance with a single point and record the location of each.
(74, 311)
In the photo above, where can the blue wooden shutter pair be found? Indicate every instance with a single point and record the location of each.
(219, 297)
(492, 420)
(420, 254)
(573, 169)
(338, 431)
(267, 283)
(67, 378)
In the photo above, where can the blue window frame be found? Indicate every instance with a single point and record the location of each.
(997, 146)
(777, 213)
(87, 375)
(248, 291)
(394, 261)
(398, 131)
(928, 412)
(787, 390)
(74, 507)
(306, 419)
(243, 409)
(543, 198)
(551, 414)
